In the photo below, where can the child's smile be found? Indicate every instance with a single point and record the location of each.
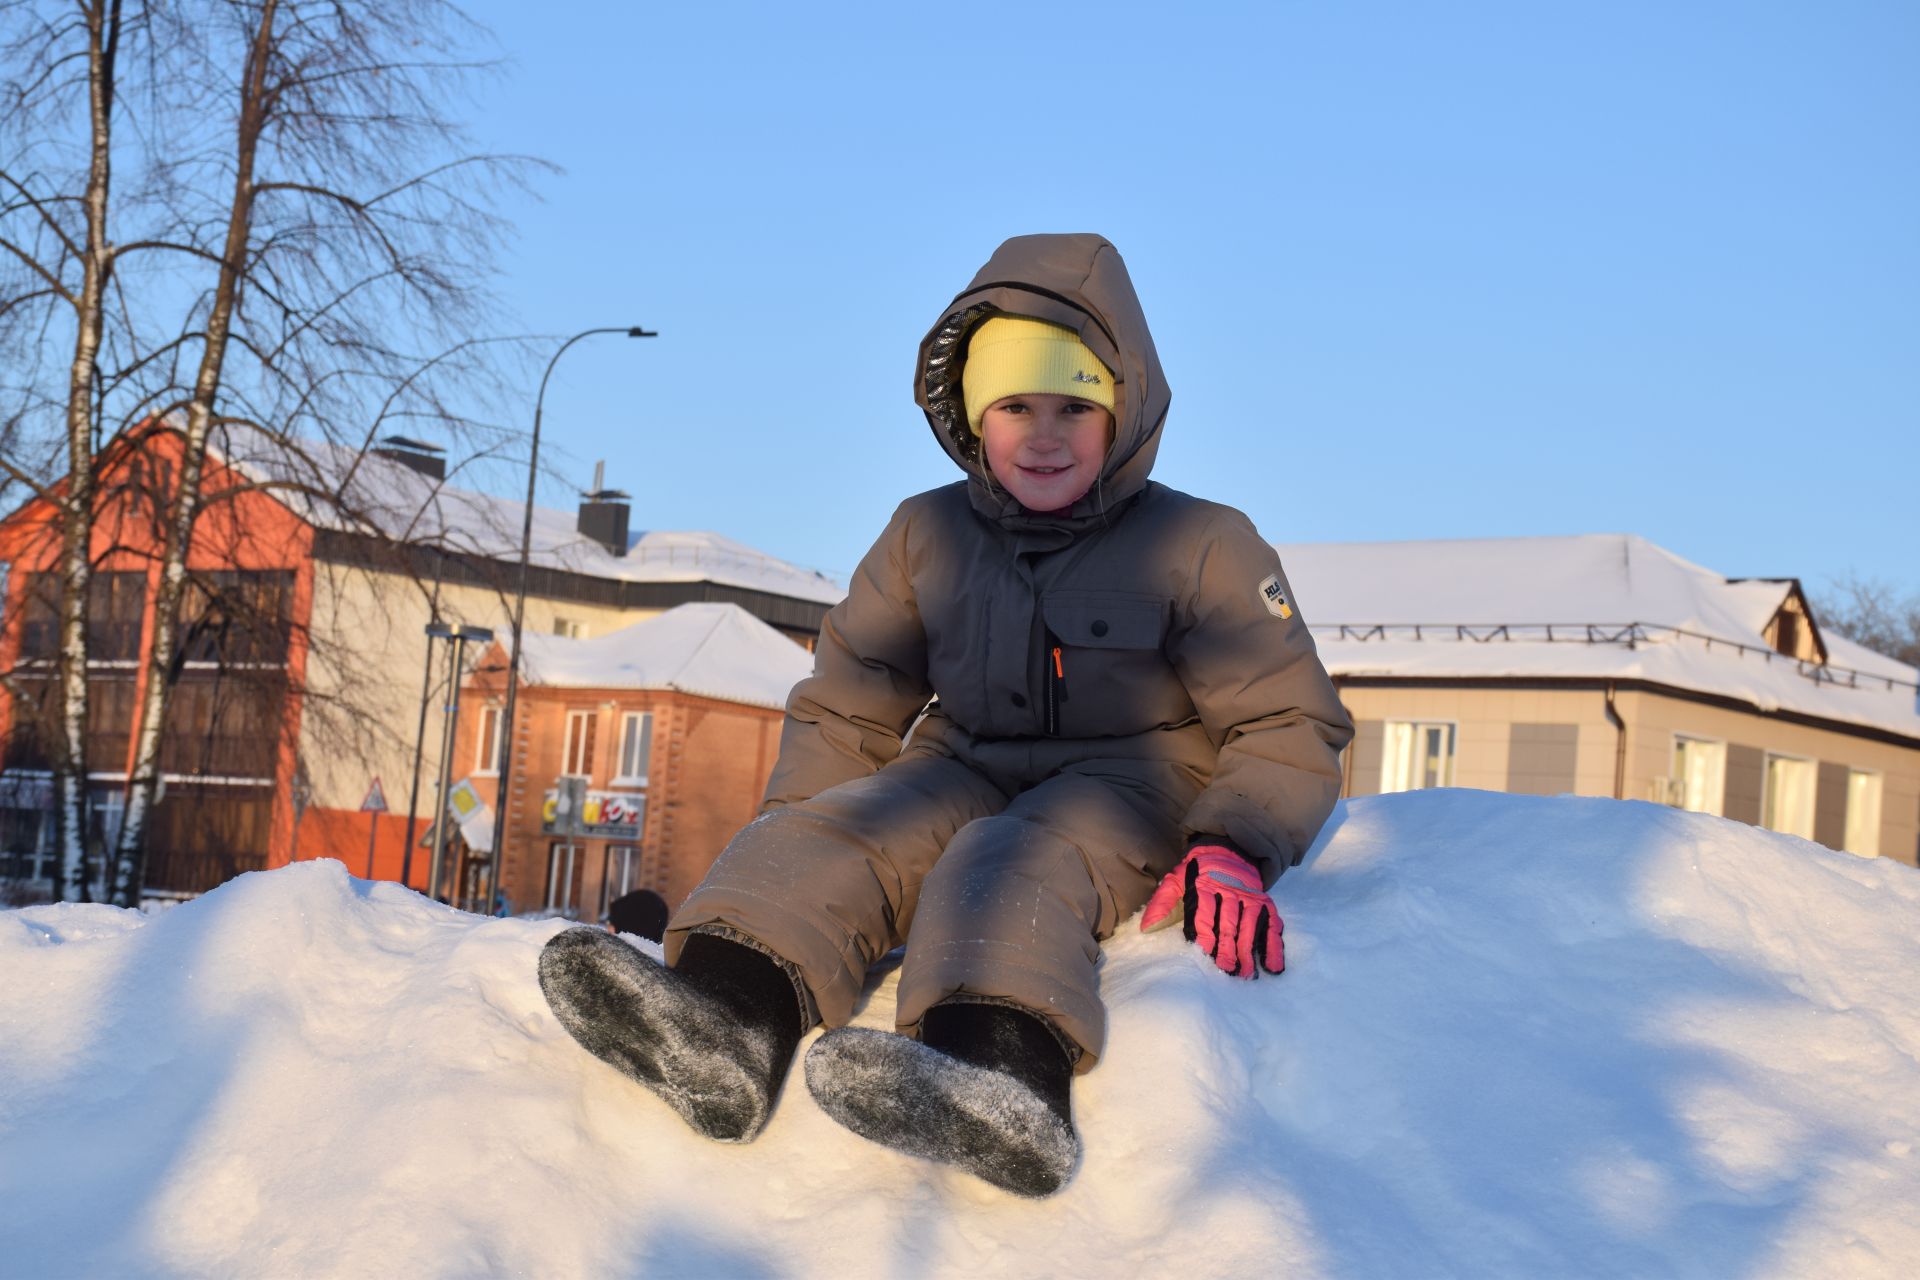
(1046, 449)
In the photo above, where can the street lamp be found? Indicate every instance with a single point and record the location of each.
(461, 637)
(519, 615)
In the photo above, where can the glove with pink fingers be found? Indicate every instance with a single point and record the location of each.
(1224, 910)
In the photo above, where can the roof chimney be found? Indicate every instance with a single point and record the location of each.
(428, 459)
(604, 512)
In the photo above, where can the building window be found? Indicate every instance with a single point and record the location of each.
(29, 838)
(1699, 778)
(1787, 803)
(636, 748)
(563, 878)
(577, 758)
(486, 759)
(1863, 813)
(1417, 754)
(628, 867)
(106, 807)
(570, 628)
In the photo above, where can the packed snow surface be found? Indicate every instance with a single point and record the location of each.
(1517, 1037)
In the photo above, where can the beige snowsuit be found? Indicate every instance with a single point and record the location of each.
(1104, 684)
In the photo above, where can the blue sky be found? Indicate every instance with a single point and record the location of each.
(1415, 269)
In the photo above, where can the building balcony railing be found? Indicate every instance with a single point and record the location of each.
(1628, 635)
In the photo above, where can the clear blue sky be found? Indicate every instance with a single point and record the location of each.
(1415, 269)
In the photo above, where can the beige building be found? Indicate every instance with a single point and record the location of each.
(1604, 665)
(416, 549)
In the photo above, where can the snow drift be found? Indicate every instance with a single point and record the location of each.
(1517, 1036)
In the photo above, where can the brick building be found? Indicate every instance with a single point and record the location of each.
(667, 730)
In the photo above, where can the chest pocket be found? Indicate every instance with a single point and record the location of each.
(1112, 678)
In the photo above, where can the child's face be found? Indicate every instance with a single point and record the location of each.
(1046, 449)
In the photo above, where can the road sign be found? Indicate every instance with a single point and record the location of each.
(376, 801)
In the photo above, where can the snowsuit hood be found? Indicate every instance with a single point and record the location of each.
(1079, 282)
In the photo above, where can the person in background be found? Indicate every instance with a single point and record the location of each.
(642, 913)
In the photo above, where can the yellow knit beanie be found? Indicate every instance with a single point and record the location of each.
(1011, 355)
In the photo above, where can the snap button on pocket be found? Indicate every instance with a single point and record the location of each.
(1099, 627)
(1019, 700)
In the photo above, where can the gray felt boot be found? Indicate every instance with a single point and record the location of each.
(714, 1036)
(985, 1090)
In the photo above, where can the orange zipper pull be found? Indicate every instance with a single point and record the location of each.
(1058, 670)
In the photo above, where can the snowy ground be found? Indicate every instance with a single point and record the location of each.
(1518, 1037)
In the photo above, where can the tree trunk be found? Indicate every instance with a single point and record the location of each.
(103, 27)
(183, 502)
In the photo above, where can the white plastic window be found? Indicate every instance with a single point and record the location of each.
(1788, 803)
(1700, 774)
(1418, 754)
(1863, 813)
(562, 871)
(486, 756)
(636, 747)
(576, 759)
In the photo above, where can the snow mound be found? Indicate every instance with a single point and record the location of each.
(1518, 1036)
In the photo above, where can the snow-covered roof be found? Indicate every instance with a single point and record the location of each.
(714, 650)
(390, 498)
(1610, 606)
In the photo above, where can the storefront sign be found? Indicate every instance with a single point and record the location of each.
(610, 815)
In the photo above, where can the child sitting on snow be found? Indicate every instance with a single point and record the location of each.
(1052, 686)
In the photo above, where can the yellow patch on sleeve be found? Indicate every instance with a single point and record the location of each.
(1274, 596)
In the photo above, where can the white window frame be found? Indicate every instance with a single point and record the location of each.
(569, 628)
(573, 751)
(107, 806)
(624, 865)
(1771, 801)
(1404, 754)
(1711, 796)
(625, 776)
(1863, 819)
(41, 858)
(562, 854)
(490, 717)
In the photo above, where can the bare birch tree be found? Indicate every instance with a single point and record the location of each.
(56, 237)
(300, 263)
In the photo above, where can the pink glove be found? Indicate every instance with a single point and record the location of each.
(1225, 911)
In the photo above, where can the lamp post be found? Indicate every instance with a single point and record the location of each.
(461, 637)
(505, 763)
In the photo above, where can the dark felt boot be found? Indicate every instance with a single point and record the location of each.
(714, 1036)
(985, 1090)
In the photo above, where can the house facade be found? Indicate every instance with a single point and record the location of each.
(1604, 665)
(230, 756)
(636, 754)
(307, 681)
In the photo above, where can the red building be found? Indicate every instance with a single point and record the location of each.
(229, 753)
(304, 671)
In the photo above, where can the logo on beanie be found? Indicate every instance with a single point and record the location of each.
(1084, 376)
(1274, 597)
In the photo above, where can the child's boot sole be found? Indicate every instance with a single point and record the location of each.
(899, 1093)
(657, 1029)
